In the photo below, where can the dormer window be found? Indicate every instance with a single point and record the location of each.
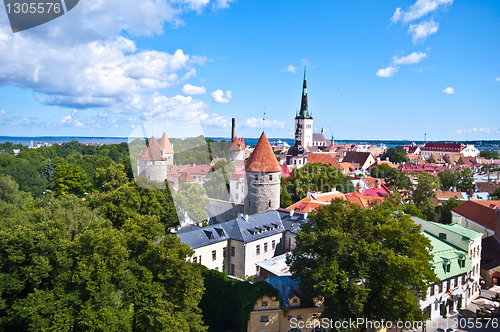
(264, 303)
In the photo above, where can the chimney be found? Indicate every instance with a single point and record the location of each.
(233, 133)
(292, 212)
(497, 223)
(305, 215)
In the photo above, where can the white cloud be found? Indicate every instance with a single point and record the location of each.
(215, 120)
(420, 31)
(410, 59)
(70, 121)
(222, 4)
(449, 91)
(387, 72)
(219, 97)
(497, 79)
(290, 68)
(192, 90)
(396, 16)
(257, 123)
(476, 130)
(420, 9)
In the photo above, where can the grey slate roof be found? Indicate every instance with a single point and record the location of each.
(356, 157)
(292, 224)
(256, 227)
(319, 137)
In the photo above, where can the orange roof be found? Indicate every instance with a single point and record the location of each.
(237, 145)
(186, 177)
(447, 194)
(347, 167)
(262, 158)
(323, 158)
(313, 201)
(364, 200)
(165, 144)
(152, 151)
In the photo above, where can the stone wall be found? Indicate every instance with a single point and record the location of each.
(262, 191)
(224, 210)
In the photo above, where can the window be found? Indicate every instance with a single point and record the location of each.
(216, 268)
(440, 287)
(273, 244)
(214, 255)
(290, 317)
(200, 260)
(257, 250)
(448, 267)
(455, 282)
(294, 301)
(223, 268)
(232, 270)
(270, 177)
(264, 318)
(314, 315)
(432, 289)
(269, 203)
(265, 247)
(195, 260)
(299, 316)
(224, 252)
(256, 178)
(264, 303)
(233, 251)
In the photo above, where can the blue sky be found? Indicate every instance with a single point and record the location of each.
(376, 70)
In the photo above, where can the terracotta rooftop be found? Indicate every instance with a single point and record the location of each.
(445, 147)
(488, 187)
(165, 144)
(152, 151)
(323, 158)
(447, 194)
(262, 158)
(237, 144)
(186, 177)
(482, 212)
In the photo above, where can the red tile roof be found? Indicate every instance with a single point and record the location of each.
(186, 177)
(199, 169)
(323, 158)
(444, 147)
(262, 158)
(479, 211)
(152, 151)
(286, 171)
(165, 144)
(237, 144)
(488, 187)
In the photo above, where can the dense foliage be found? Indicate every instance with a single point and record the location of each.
(313, 177)
(396, 155)
(369, 263)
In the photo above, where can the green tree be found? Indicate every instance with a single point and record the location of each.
(448, 179)
(365, 263)
(217, 185)
(190, 198)
(446, 209)
(10, 193)
(396, 155)
(465, 180)
(27, 176)
(496, 194)
(489, 154)
(422, 192)
(316, 177)
(47, 171)
(69, 179)
(110, 178)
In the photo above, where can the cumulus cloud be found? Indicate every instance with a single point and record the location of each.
(410, 59)
(257, 123)
(419, 9)
(290, 68)
(87, 61)
(215, 120)
(449, 91)
(70, 121)
(387, 72)
(419, 32)
(218, 96)
(192, 90)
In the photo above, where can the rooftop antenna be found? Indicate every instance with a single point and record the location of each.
(263, 119)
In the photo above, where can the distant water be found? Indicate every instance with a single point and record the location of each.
(62, 139)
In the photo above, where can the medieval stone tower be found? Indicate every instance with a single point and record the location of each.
(262, 179)
(155, 158)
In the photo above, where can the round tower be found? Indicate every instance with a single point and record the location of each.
(262, 179)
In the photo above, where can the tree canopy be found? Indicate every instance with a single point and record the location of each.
(370, 263)
(396, 155)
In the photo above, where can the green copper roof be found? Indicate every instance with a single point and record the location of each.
(304, 112)
(444, 253)
(466, 233)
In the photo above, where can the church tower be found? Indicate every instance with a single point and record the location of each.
(304, 120)
(262, 179)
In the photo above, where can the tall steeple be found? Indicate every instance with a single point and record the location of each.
(304, 112)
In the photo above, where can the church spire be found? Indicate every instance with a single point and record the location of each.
(304, 112)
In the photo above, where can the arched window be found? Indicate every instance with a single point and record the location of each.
(270, 177)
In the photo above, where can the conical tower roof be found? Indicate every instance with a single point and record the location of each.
(165, 144)
(262, 158)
